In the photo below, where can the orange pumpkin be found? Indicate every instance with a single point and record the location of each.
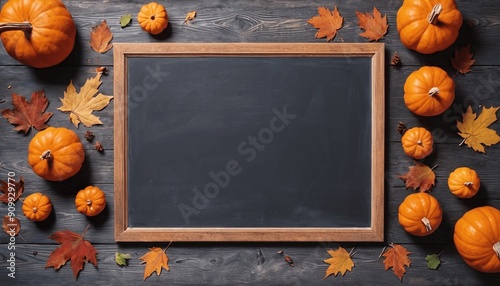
(37, 33)
(37, 207)
(477, 239)
(417, 142)
(464, 182)
(420, 214)
(428, 26)
(429, 91)
(90, 201)
(153, 18)
(56, 154)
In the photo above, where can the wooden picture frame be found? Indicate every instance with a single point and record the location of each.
(123, 52)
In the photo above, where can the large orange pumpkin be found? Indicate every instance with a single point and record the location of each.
(420, 214)
(153, 18)
(37, 33)
(417, 142)
(56, 154)
(477, 239)
(428, 26)
(37, 207)
(429, 91)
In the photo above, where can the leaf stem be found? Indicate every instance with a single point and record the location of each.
(88, 225)
(168, 246)
(382, 252)
(352, 252)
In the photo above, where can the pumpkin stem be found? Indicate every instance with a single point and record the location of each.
(34, 209)
(496, 248)
(419, 142)
(23, 26)
(427, 224)
(433, 91)
(89, 202)
(433, 16)
(152, 17)
(468, 184)
(46, 155)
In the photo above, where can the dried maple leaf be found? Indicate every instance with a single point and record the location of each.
(339, 263)
(475, 130)
(100, 38)
(155, 260)
(17, 189)
(327, 22)
(189, 16)
(463, 60)
(11, 225)
(27, 114)
(72, 247)
(375, 26)
(419, 176)
(397, 258)
(80, 105)
(396, 60)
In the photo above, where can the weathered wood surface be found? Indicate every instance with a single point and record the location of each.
(257, 263)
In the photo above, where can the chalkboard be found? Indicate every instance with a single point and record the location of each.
(249, 142)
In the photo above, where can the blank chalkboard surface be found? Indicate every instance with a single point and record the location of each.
(249, 142)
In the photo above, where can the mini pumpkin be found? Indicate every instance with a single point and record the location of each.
(417, 142)
(477, 238)
(37, 207)
(429, 91)
(56, 154)
(428, 26)
(153, 18)
(420, 214)
(90, 201)
(37, 33)
(464, 182)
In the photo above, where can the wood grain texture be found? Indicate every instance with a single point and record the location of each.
(228, 21)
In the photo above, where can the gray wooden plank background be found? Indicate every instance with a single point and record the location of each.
(253, 263)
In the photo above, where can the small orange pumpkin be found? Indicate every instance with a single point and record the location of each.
(153, 18)
(464, 182)
(37, 207)
(37, 33)
(56, 154)
(429, 91)
(417, 142)
(477, 239)
(420, 214)
(428, 26)
(90, 201)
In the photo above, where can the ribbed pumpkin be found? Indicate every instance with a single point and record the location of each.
(153, 18)
(428, 26)
(420, 214)
(464, 182)
(417, 142)
(56, 154)
(477, 238)
(37, 207)
(37, 33)
(90, 201)
(429, 91)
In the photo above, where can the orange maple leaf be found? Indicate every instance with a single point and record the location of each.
(463, 60)
(155, 260)
(474, 129)
(100, 38)
(327, 22)
(27, 114)
(73, 247)
(375, 26)
(397, 258)
(419, 176)
(339, 263)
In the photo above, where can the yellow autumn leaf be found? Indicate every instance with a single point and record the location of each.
(81, 104)
(339, 263)
(474, 129)
(155, 260)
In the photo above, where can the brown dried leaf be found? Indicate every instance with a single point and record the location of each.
(395, 60)
(98, 146)
(375, 26)
(189, 16)
(397, 258)
(100, 38)
(327, 22)
(11, 225)
(419, 176)
(27, 114)
(18, 189)
(463, 60)
(474, 129)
